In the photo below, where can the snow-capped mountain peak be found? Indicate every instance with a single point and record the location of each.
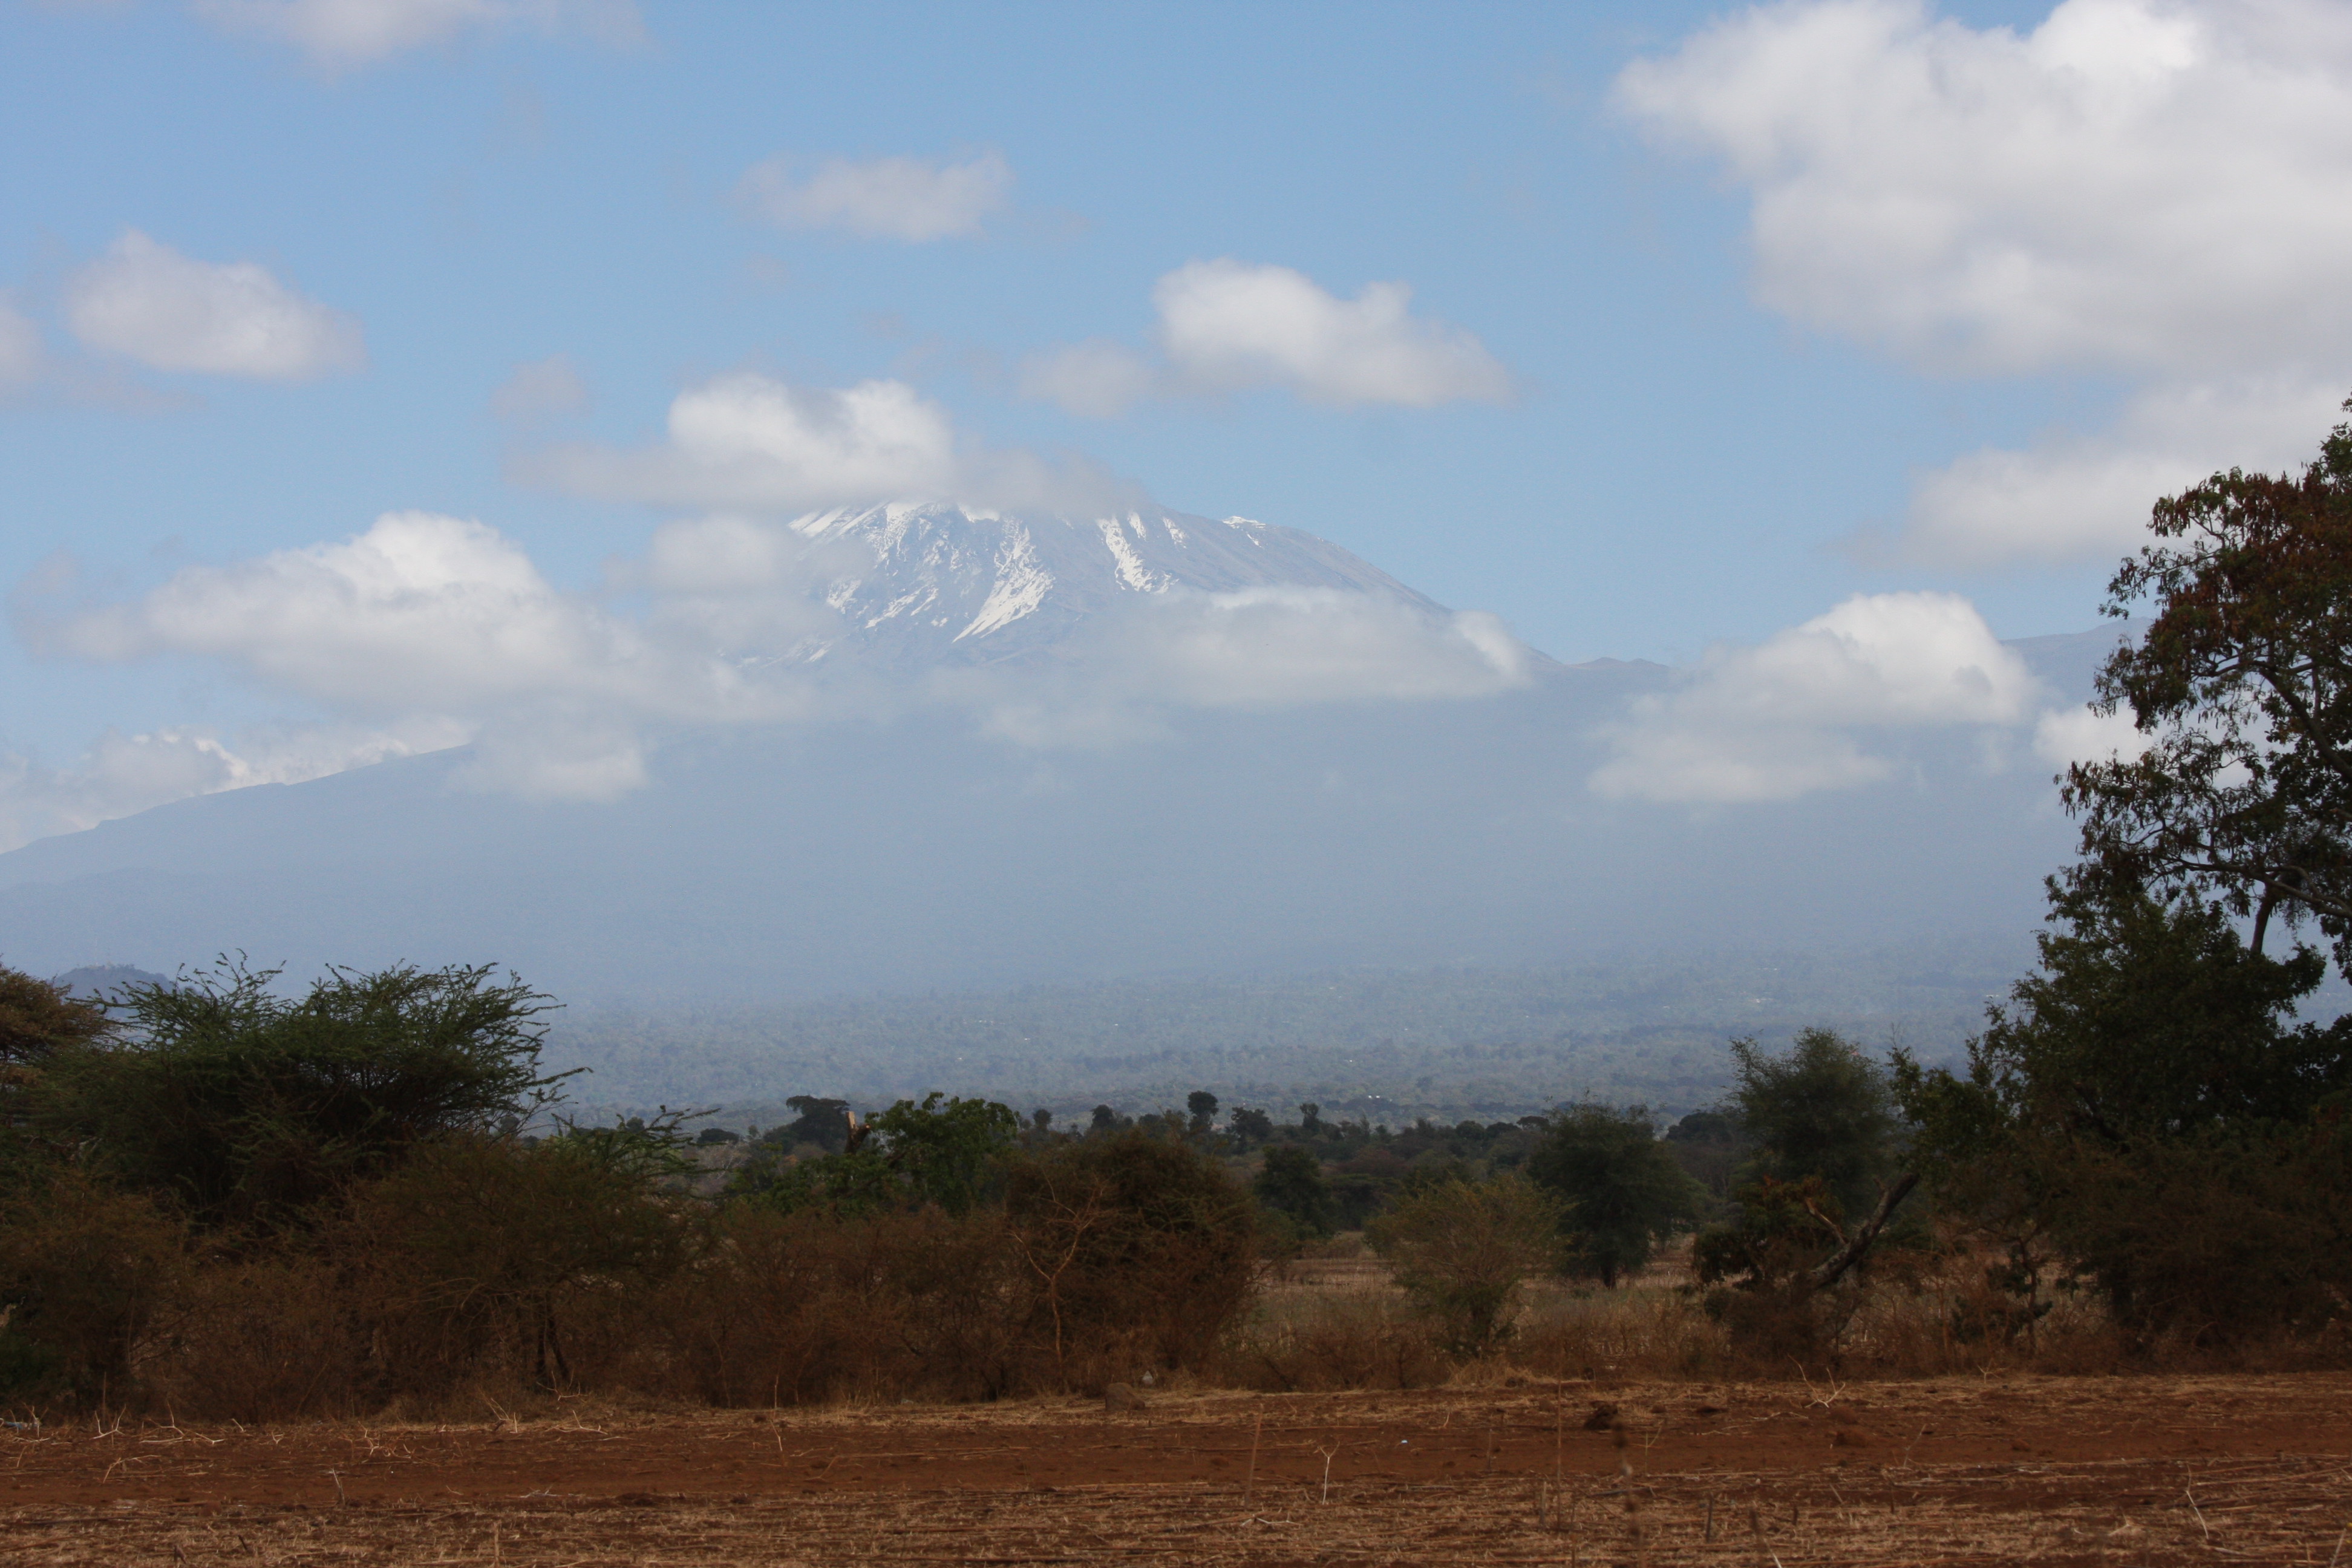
(956, 584)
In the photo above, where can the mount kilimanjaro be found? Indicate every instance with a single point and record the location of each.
(909, 845)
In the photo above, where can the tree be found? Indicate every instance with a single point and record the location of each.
(37, 1020)
(1824, 1182)
(2147, 1109)
(1822, 1110)
(1136, 1242)
(2243, 686)
(1290, 1182)
(1461, 1249)
(1202, 1105)
(250, 1107)
(1623, 1191)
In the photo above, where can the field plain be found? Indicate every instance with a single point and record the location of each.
(1976, 1469)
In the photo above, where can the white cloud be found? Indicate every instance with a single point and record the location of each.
(22, 357)
(426, 631)
(912, 199)
(2155, 188)
(2067, 496)
(338, 35)
(540, 388)
(121, 774)
(749, 442)
(1776, 720)
(1232, 326)
(425, 619)
(1256, 648)
(2069, 735)
(147, 302)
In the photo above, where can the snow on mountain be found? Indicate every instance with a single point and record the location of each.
(951, 585)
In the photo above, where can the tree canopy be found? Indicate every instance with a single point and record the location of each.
(2242, 687)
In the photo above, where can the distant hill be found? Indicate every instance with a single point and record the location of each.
(98, 980)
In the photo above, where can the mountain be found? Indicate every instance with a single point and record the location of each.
(920, 585)
(101, 980)
(910, 845)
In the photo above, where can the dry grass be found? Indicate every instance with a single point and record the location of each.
(1972, 1470)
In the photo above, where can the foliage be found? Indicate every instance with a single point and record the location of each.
(85, 1269)
(1461, 1250)
(1622, 1190)
(2147, 1109)
(1821, 1111)
(1290, 1182)
(1135, 1241)
(487, 1250)
(250, 1108)
(37, 1020)
(947, 1151)
(2242, 685)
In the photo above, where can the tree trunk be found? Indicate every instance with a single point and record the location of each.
(1846, 1257)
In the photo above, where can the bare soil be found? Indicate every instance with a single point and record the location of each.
(1998, 1469)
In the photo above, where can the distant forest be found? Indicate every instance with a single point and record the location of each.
(1379, 1045)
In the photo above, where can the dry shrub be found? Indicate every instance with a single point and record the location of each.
(88, 1269)
(1109, 1258)
(489, 1261)
(258, 1341)
(1639, 1332)
(1140, 1252)
(1336, 1342)
(790, 1308)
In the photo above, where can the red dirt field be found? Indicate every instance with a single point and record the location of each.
(2004, 1470)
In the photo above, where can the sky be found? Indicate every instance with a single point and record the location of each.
(1806, 347)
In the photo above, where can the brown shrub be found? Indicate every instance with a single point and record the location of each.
(88, 1269)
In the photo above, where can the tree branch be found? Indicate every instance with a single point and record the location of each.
(1846, 1257)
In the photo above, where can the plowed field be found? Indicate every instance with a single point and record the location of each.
(2123, 1470)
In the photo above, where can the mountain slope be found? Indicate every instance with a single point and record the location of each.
(950, 585)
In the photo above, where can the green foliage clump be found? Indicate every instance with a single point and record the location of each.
(1461, 1250)
(248, 1108)
(1623, 1191)
(2147, 1113)
(1290, 1182)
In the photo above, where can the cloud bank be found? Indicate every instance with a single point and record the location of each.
(2159, 191)
(146, 302)
(1230, 326)
(427, 628)
(1789, 717)
(911, 199)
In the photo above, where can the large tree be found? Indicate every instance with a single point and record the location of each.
(1623, 1192)
(2242, 687)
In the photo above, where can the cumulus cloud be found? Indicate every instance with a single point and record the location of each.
(432, 619)
(1781, 719)
(22, 357)
(911, 199)
(339, 35)
(2069, 496)
(746, 441)
(426, 631)
(2068, 735)
(1230, 326)
(149, 303)
(120, 775)
(2156, 189)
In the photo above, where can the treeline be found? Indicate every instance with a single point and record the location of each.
(238, 1204)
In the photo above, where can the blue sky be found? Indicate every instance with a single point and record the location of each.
(1730, 351)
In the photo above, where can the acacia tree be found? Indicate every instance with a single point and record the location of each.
(1624, 1191)
(2243, 686)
